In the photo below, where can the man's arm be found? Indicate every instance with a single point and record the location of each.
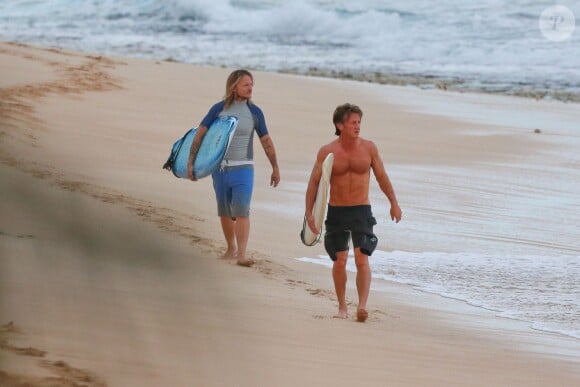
(312, 189)
(195, 145)
(385, 183)
(270, 151)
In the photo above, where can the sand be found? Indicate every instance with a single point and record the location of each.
(110, 272)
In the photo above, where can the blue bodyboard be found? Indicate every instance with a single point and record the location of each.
(213, 148)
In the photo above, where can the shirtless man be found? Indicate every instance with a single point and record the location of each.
(349, 211)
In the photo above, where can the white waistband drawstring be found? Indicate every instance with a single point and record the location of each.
(235, 163)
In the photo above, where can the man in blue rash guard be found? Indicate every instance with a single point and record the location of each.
(233, 182)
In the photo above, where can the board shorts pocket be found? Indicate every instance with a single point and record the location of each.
(368, 244)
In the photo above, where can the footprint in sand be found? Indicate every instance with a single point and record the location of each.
(66, 375)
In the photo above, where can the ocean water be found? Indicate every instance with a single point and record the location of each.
(508, 240)
(488, 45)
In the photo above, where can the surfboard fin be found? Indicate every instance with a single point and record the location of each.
(168, 164)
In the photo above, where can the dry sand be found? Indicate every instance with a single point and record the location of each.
(109, 269)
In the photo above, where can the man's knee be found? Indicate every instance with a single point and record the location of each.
(360, 259)
(340, 258)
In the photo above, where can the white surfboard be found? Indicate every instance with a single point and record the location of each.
(320, 204)
(213, 148)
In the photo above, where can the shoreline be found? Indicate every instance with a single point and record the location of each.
(419, 81)
(434, 82)
(550, 344)
(202, 315)
(502, 315)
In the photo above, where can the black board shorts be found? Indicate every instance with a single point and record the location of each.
(355, 222)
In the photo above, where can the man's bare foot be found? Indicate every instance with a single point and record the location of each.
(229, 254)
(245, 262)
(361, 315)
(342, 313)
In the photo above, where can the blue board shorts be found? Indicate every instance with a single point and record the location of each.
(233, 190)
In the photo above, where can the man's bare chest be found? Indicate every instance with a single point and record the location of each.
(357, 162)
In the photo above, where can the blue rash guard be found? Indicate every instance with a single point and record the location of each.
(250, 119)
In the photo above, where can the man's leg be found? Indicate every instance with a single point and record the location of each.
(242, 231)
(339, 277)
(363, 283)
(228, 227)
(223, 194)
(242, 186)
